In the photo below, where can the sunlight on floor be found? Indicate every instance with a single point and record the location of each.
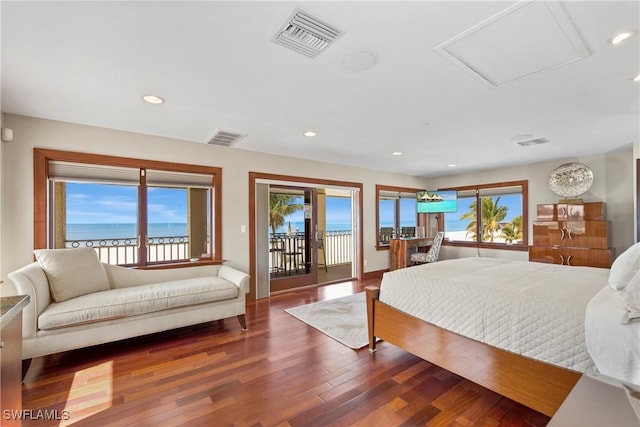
(337, 290)
(90, 393)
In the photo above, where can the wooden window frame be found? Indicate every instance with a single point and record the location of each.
(42, 157)
(524, 246)
(420, 218)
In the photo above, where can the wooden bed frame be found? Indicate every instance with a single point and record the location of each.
(538, 385)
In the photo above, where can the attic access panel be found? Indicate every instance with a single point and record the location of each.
(524, 40)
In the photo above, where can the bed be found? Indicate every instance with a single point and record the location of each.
(514, 327)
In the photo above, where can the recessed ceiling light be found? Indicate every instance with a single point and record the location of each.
(619, 38)
(153, 99)
(397, 153)
(451, 165)
(636, 78)
(310, 133)
(521, 136)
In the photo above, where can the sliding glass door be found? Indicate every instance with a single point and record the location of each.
(303, 232)
(293, 250)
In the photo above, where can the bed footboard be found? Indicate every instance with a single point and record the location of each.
(538, 385)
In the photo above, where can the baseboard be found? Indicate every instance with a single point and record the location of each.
(371, 275)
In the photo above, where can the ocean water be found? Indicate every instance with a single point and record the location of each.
(456, 224)
(122, 231)
(331, 226)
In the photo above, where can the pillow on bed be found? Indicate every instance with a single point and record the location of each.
(624, 267)
(72, 272)
(632, 299)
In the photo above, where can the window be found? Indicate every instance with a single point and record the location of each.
(396, 213)
(490, 215)
(132, 212)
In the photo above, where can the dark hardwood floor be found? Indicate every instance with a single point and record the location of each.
(280, 372)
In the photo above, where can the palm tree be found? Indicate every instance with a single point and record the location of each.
(280, 206)
(492, 216)
(512, 231)
(472, 227)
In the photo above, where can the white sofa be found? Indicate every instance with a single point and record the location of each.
(77, 301)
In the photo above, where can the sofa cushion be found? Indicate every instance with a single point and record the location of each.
(117, 303)
(72, 272)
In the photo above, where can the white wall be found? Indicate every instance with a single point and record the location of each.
(16, 240)
(613, 184)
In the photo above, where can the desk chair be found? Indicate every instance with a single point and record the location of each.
(431, 255)
(276, 249)
(408, 232)
(386, 233)
(294, 251)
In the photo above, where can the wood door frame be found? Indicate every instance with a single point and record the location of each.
(317, 182)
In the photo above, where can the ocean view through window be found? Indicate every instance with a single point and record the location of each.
(122, 230)
(132, 212)
(99, 211)
(291, 232)
(113, 230)
(337, 216)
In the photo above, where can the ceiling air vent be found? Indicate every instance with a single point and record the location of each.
(530, 142)
(306, 34)
(226, 138)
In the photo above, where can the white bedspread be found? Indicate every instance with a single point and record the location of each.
(613, 346)
(533, 309)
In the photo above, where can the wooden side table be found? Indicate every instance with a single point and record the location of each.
(594, 403)
(11, 358)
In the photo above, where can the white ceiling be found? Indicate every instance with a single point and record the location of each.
(217, 68)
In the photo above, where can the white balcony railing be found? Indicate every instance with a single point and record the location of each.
(288, 255)
(124, 251)
(287, 250)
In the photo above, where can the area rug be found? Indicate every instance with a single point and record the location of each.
(344, 319)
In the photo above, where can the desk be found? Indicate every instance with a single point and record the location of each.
(399, 250)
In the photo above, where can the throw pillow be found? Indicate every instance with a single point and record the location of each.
(72, 272)
(632, 298)
(624, 267)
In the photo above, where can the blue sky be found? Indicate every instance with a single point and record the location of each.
(338, 211)
(117, 204)
(512, 202)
